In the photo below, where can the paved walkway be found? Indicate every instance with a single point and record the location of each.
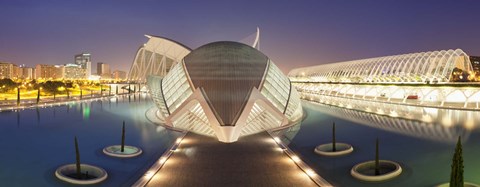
(252, 161)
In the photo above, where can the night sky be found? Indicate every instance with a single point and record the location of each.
(293, 33)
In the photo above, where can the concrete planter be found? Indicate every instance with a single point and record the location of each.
(128, 152)
(65, 172)
(465, 184)
(366, 171)
(341, 149)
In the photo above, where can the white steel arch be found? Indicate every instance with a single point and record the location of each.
(435, 66)
(156, 57)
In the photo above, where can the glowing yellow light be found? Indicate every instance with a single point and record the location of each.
(149, 174)
(277, 139)
(295, 158)
(162, 160)
(178, 140)
(310, 172)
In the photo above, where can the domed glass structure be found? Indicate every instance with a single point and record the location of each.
(225, 89)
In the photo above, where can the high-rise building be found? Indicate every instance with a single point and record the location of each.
(47, 71)
(103, 70)
(85, 62)
(119, 75)
(74, 71)
(6, 70)
(27, 73)
(23, 72)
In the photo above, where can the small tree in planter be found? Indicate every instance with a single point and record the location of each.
(377, 160)
(334, 148)
(123, 137)
(72, 173)
(456, 175)
(122, 150)
(77, 159)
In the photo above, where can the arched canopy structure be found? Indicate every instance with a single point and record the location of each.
(156, 57)
(434, 66)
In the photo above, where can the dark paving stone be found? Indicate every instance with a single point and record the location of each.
(252, 161)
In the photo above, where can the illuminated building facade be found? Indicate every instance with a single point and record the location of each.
(47, 71)
(8, 70)
(26, 72)
(156, 57)
(85, 62)
(226, 90)
(436, 79)
(74, 71)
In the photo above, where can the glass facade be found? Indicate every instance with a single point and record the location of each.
(274, 104)
(194, 120)
(176, 88)
(276, 87)
(155, 86)
(260, 119)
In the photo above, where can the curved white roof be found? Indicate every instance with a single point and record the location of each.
(414, 67)
(156, 57)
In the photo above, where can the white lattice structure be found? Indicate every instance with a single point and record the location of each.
(425, 79)
(156, 57)
(434, 66)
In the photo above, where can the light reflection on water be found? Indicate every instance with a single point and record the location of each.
(422, 140)
(38, 140)
(429, 123)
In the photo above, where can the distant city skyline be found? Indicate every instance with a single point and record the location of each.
(293, 34)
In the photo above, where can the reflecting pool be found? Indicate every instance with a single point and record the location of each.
(34, 142)
(424, 149)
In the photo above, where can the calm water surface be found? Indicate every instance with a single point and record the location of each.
(34, 142)
(424, 150)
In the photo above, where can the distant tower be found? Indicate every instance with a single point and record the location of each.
(103, 70)
(85, 62)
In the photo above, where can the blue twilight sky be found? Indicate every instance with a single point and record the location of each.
(293, 33)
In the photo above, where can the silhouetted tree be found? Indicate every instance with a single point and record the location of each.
(377, 161)
(334, 147)
(456, 175)
(123, 137)
(77, 159)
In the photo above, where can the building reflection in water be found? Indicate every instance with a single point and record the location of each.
(443, 125)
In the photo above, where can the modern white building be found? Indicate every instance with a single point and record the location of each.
(433, 67)
(434, 79)
(222, 89)
(156, 57)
